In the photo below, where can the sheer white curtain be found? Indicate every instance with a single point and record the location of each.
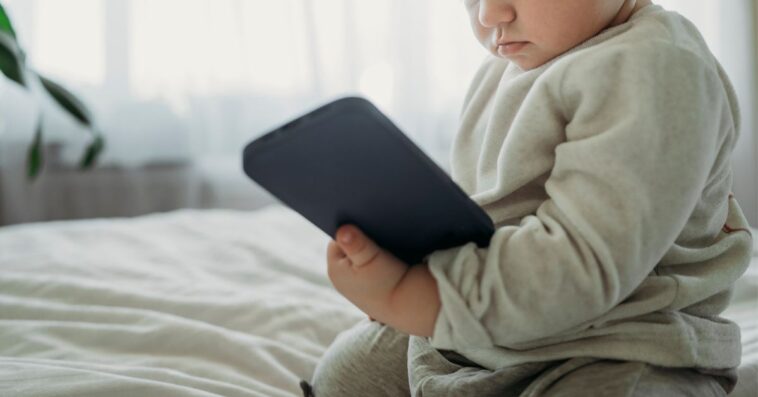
(186, 78)
(176, 80)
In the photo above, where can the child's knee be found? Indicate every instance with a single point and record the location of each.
(366, 357)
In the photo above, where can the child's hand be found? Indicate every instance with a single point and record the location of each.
(363, 272)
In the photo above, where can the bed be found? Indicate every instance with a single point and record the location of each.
(189, 303)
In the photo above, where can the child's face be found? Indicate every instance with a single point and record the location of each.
(532, 32)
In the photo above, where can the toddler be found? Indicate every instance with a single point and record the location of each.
(598, 138)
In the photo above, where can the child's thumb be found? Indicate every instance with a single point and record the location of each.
(357, 246)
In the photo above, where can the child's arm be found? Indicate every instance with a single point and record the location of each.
(643, 126)
(381, 285)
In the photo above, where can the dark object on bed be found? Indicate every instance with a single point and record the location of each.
(346, 162)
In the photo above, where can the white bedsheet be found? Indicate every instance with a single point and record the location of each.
(188, 303)
(744, 311)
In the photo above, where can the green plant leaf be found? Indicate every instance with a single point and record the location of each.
(34, 157)
(93, 151)
(5, 23)
(68, 101)
(10, 58)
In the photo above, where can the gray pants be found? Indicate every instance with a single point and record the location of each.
(372, 359)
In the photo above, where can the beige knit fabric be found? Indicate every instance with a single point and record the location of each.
(607, 174)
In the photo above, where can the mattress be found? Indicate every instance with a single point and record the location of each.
(189, 303)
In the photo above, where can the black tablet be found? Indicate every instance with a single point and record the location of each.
(346, 162)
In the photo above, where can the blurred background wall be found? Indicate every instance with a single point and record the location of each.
(178, 87)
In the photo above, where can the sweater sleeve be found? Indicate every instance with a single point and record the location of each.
(641, 137)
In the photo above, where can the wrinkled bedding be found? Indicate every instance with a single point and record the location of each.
(188, 303)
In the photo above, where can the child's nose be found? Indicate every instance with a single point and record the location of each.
(494, 12)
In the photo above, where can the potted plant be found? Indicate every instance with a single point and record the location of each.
(13, 66)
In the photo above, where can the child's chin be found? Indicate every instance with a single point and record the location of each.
(527, 63)
(522, 63)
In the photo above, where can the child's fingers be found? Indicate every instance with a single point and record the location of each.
(359, 248)
(336, 257)
(337, 263)
(334, 252)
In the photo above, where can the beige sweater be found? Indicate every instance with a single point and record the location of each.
(607, 174)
